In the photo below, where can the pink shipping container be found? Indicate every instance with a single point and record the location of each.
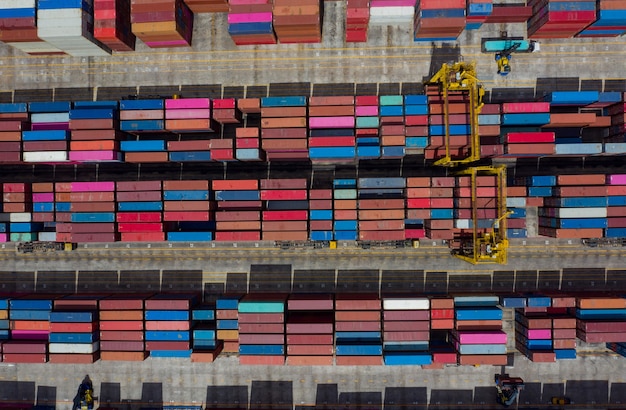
(539, 333)
(95, 156)
(489, 337)
(283, 194)
(525, 107)
(285, 215)
(187, 103)
(331, 122)
(92, 186)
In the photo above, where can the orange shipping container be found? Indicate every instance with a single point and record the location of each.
(310, 360)
(483, 359)
(345, 204)
(142, 115)
(146, 157)
(418, 182)
(438, 303)
(227, 335)
(578, 180)
(601, 303)
(331, 111)
(285, 236)
(124, 356)
(238, 225)
(97, 145)
(358, 360)
(293, 122)
(381, 214)
(121, 315)
(345, 214)
(278, 112)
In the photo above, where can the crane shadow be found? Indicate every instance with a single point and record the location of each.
(445, 53)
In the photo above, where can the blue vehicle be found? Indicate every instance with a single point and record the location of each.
(508, 389)
(504, 46)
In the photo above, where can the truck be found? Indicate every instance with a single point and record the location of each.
(43, 246)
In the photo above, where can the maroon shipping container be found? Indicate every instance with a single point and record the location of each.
(357, 302)
(564, 322)
(134, 302)
(601, 337)
(601, 327)
(564, 333)
(72, 358)
(261, 338)
(390, 315)
(238, 216)
(166, 301)
(114, 335)
(226, 314)
(405, 336)
(358, 326)
(138, 186)
(310, 302)
(24, 358)
(261, 328)
(356, 316)
(408, 326)
(310, 350)
(310, 339)
(169, 345)
(127, 325)
(139, 196)
(300, 183)
(122, 346)
(167, 325)
(261, 318)
(25, 347)
(313, 328)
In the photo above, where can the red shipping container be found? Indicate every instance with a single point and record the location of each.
(250, 328)
(358, 360)
(124, 356)
(122, 346)
(408, 326)
(359, 326)
(121, 325)
(56, 327)
(283, 194)
(405, 336)
(138, 217)
(262, 360)
(261, 318)
(261, 338)
(24, 358)
(285, 215)
(238, 236)
(71, 358)
(115, 335)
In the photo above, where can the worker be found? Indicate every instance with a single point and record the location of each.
(504, 68)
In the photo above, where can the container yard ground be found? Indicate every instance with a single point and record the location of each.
(591, 381)
(389, 56)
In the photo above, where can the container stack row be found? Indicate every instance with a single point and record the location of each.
(358, 332)
(297, 21)
(227, 322)
(600, 320)
(162, 24)
(406, 327)
(74, 331)
(205, 346)
(122, 331)
(263, 343)
(286, 205)
(560, 19)
(18, 24)
(381, 208)
(439, 21)
(357, 20)
(478, 335)
(167, 322)
(112, 24)
(342, 129)
(30, 329)
(310, 330)
(250, 22)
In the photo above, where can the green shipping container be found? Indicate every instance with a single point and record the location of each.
(391, 100)
(261, 307)
(23, 236)
(344, 194)
(367, 122)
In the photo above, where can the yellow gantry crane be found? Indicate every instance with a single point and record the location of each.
(478, 246)
(482, 246)
(460, 77)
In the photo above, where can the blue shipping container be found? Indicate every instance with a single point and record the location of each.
(190, 236)
(407, 359)
(182, 354)
(59, 106)
(260, 350)
(164, 315)
(478, 314)
(473, 301)
(237, 195)
(293, 101)
(139, 206)
(227, 303)
(47, 135)
(142, 104)
(93, 217)
(72, 317)
(143, 146)
(203, 314)
(198, 195)
(359, 350)
(167, 335)
(73, 337)
(227, 324)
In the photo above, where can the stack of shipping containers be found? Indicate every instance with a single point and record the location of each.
(189, 115)
(188, 214)
(358, 335)
(284, 128)
(297, 21)
(439, 21)
(600, 320)
(524, 120)
(367, 123)
(533, 333)
(441, 322)
(139, 206)
(478, 11)
(94, 136)
(167, 325)
(406, 327)
(392, 11)
(208, 6)
(74, 334)
(489, 121)
(563, 327)
(331, 129)
(417, 206)
(139, 117)
(205, 345)
(321, 214)
(112, 25)
(43, 209)
(585, 221)
(309, 330)
(17, 203)
(227, 322)
(440, 225)
(14, 118)
(478, 334)
(345, 224)
(122, 328)
(18, 24)
(5, 323)
(30, 328)
(616, 210)
(248, 144)
(286, 207)
(357, 20)
(486, 203)
(47, 142)
(610, 21)
(559, 19)
(162, 24)
(268, 312)
(250, 22)
(381, 208)
(392, 126)
(415, 124)
(68, 25)
(92, 207)
(238, 214)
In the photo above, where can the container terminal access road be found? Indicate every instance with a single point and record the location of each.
(592, 381)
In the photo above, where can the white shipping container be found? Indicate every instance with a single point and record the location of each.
(35, 47)
(515, 202)
(406, 304)
(48, 236)
(462, 223)
(45, 156)
(60, 13)
(578, 149)
(615, 148)
(76, 348)
(581, 212)
(18, 4)
(50, 117)
(393, 11)
(20, 217)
